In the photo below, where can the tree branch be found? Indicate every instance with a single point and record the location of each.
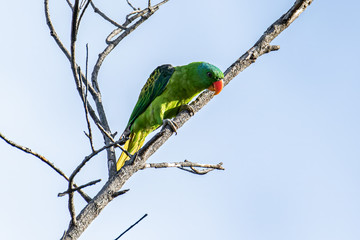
(78, 188)
(184, 165)
(93, 209)
(44, 160)
(68, 56)
(132, 226)
(103, 15)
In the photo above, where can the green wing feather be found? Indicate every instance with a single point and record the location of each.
(154, 86)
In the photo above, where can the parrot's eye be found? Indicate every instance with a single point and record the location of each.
(209, 74)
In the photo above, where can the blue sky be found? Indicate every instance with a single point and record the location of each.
(286, 129)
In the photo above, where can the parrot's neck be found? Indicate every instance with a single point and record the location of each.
(188, 82)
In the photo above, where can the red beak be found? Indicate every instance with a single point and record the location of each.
(217, 86)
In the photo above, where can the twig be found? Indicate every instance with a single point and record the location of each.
(29, 151)
(45, 160)
(83, 11)
(74, 30)
(134, 8)
(68, 56)
(143, 14)
(103, 15)
(132, 226)
(95, 93)
(88, 158)
(89, 135)
(69, 3)
(78, 188)
(120, 193)
(113, 140)
(82, 4)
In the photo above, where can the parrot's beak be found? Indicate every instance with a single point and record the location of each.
(217, 86)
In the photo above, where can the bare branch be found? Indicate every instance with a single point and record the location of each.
(183, 165)
(88, 158)
(69, 3)
(113, 140)
(78, 188)
(142, 14)
(29, 151)
(131, 226)
(103, 15)
(74, 30)
(93, 209)
(120, 193)
(134, 8)
(89, 135)
(83, 11)
(45, 160)
(67, 54)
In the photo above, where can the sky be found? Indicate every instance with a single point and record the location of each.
(286, 129)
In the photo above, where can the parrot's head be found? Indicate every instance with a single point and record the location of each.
(212, 77)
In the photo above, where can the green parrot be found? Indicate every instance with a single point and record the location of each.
(167, 90)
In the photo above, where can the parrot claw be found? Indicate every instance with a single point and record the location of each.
(171, 124)
(189, 108)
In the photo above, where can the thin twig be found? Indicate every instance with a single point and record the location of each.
(69, 3)
(134, 8)
(78, 188)
(29, 151)
(103, 15)
(131, 226)
(142, 14)
(82, 4)
(68, 56)
(74, 30)
(88, 158)
(89, 135)
(120, 193)
(45, 160)
(113, 140)
(83, 11)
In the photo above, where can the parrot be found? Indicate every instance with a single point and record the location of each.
(167, 91)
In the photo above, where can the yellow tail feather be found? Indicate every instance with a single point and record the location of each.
(135, 142)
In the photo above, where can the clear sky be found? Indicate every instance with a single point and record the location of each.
(287, 128)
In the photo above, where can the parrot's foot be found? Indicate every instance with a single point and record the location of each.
(172, 125)
(189, 108)
(131, 160)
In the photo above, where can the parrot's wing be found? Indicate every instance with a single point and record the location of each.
(154, 86)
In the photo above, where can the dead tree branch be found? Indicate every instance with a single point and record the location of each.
(132, 226)
(104, 16)
(186, 164)
(44, 160)
(89, 135)
(78, 188)
(105, 195)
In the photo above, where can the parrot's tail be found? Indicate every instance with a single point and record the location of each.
(135, 142)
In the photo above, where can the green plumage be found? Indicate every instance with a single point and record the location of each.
(166, 90)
